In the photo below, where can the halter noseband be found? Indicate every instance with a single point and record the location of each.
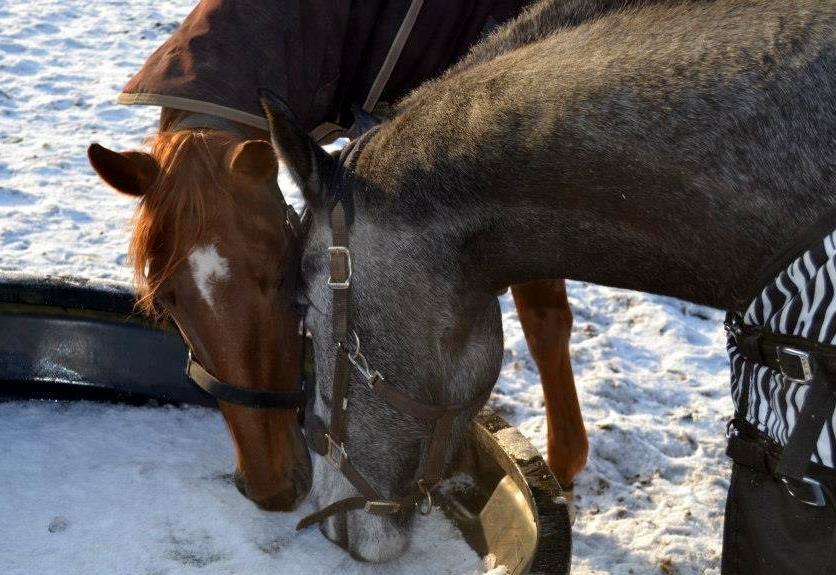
(329, 442)
(257, 398)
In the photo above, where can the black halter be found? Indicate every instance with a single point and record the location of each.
(228, 393)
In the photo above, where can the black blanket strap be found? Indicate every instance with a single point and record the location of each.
(803, 361)
(818, 408)
(747, 448)
(257, 398)
(750, 448)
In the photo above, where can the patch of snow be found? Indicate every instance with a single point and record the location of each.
(652, 376)
(92, 488)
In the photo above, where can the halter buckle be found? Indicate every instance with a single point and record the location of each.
(795, 364)
(333, 253)
(382, 507)
(336, 452)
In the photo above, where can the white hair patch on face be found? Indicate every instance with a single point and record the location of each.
(208, 267)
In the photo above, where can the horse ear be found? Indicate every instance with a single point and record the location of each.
(131, 173)
(308, 164)
(255, 159)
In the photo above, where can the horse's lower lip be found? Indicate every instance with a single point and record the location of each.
(282, 501)
(355, 556)
(302, 483)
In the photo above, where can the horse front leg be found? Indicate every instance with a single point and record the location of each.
(546, 320)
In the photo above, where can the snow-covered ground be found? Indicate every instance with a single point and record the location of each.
(652, 371)
(141, 490)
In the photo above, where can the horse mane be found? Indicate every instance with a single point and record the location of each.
(174, 213)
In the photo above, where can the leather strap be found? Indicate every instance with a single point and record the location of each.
(340, 313)
(393, 55)
(257, 398)
(341, 506)
(195, 121)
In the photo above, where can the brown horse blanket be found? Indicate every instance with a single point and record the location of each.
(321, 56)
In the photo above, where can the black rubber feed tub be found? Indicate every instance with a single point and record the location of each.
(77, 339)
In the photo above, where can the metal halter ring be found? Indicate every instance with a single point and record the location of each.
(425, 504)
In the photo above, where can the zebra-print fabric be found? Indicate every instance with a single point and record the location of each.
(800, 302)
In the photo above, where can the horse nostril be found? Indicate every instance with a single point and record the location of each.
(240, 483)
(301, 481)
(335, 529)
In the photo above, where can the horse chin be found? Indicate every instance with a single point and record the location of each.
(290, 489)
(374, 538)
(367, 537)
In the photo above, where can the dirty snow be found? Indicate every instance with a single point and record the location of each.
(87, 488)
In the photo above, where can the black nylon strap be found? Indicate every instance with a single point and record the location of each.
(257, 398)
(195, 121)
(766, 348)
(750, 454)
(817, 409)
(750, 448)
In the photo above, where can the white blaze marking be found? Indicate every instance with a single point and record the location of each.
(208, 267)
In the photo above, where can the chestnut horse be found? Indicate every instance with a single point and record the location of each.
(209, 250)
(209, 221)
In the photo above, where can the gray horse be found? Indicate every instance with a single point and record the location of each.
(668, 148)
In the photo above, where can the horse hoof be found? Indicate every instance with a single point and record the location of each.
(569, 494)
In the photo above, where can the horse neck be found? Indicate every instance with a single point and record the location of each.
(530, 170)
